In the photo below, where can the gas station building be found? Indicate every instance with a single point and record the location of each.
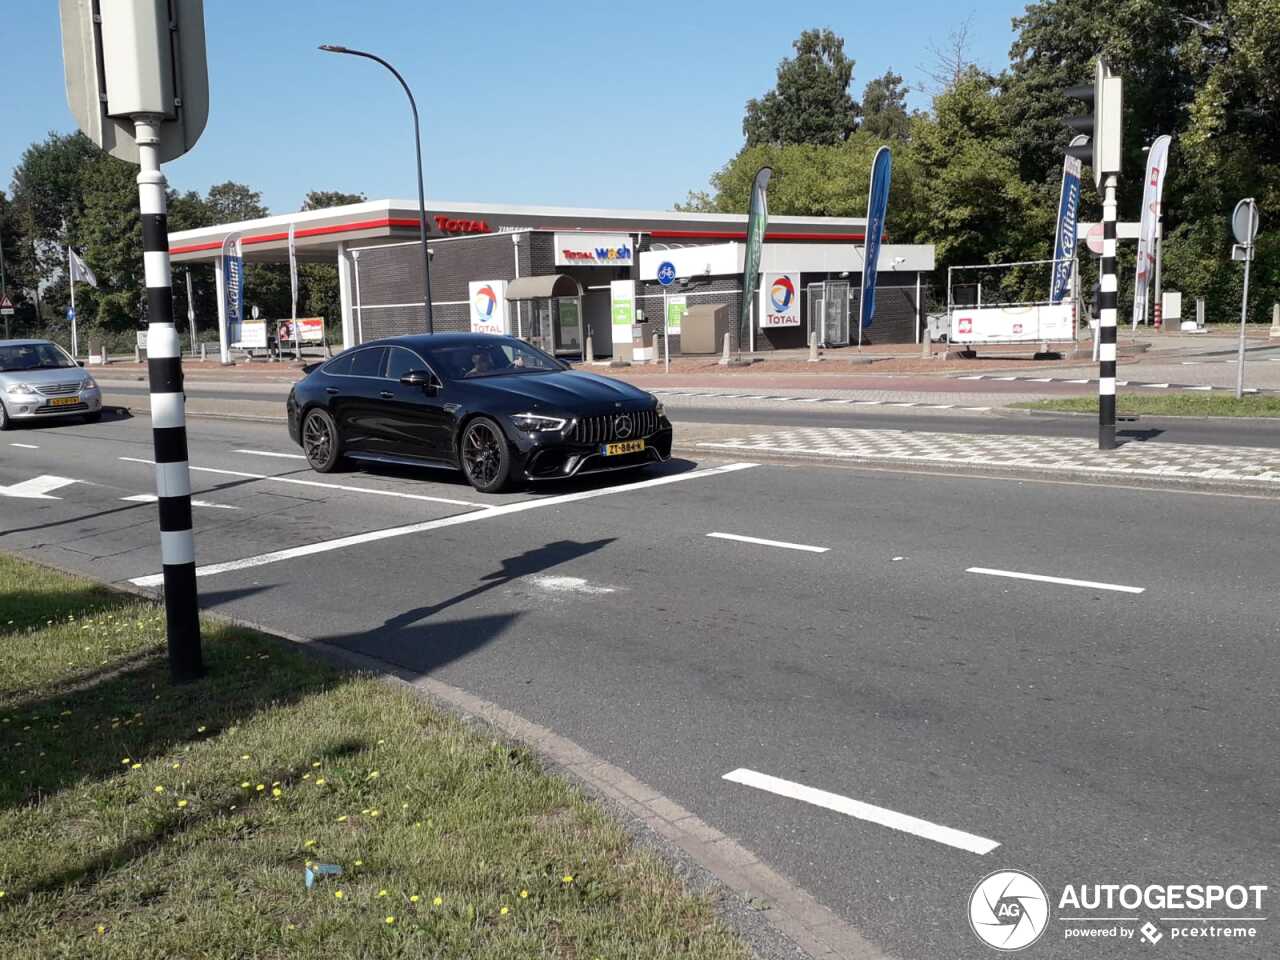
(553, 275)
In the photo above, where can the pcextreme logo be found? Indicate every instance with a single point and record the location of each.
(1008, 910)
(485, 301)
(782, 293)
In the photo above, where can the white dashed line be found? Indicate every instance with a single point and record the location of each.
(272, 453)
(769, 543)
(152, 498)
(25, 446)
(1065, 581)
(864, 811)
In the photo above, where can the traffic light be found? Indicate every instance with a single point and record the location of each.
(1102, 127)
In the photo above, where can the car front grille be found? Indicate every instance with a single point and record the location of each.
(57, 389)
(604, 429)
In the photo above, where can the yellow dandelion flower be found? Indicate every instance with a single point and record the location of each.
(181, 804)
(359, 863)
(126, 760)
(244, 756)
(567, 878)
(260, 787)
(309, 843)
(276, 791)
(373, 775)
(316, 763)
(381, 742)
(319, 781)
(524, 894)
(158, 789)
(136, 766)
(417, 823)
(374, 813)
(245, 785)
(391, 919)
(437, 901)
(1, 893)
(198, 729)
(343, 818)
(101, 929)
(338, 894)
(415, 898)
(306, 776)
(175, 765)
(275, 783)
(503, 911)
(382, 893)
(290, 926)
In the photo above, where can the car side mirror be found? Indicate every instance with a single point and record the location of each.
(421, 378)
(79, 363)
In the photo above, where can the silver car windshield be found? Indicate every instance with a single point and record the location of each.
(33, 356)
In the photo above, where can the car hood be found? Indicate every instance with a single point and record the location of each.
(57, 375)
(570, 391)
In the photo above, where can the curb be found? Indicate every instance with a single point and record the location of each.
(796, 922)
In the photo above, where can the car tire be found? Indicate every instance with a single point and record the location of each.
(5, 422)
(321, 441)
(94, 417)
(485, 456)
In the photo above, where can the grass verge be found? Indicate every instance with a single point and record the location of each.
(142, 820)
(1170, 405)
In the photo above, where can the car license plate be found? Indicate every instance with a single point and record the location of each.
(627, 446)
(64, 401)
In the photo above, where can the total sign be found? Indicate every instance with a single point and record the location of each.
(488, 306)
(780, 300)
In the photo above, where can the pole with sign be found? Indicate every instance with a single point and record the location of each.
(1244, 224)
(149, 58)
(191, 314)
(666, 276)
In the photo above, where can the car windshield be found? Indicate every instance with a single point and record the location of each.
(33, 356)
(494, 357)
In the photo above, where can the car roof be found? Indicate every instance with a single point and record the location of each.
(420, 340)
(22, 343)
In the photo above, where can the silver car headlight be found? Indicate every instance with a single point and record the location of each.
(20, 390)
(659, 409)
(538, 423)
(89, 384)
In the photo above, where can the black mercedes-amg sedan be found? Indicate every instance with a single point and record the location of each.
(493, 407)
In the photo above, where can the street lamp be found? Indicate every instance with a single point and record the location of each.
(417, 142)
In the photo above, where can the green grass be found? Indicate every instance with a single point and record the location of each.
(140, 820)
(1214, 404)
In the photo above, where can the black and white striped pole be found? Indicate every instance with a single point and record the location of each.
(1107, 319)
(168, 416)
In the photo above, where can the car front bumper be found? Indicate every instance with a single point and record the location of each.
(34, 406)
(559, 460)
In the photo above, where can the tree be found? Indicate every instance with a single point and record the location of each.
(232, 202)
(884, 108)
(318, 282)
(810, 102)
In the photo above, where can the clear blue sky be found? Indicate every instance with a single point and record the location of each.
(522, 102)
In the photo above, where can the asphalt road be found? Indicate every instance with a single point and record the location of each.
(1223, 431)
(1097, 735)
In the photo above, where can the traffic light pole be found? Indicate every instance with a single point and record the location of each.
(168, 416)
(1107, 319)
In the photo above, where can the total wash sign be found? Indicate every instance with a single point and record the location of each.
(780, 300)
(1010, 910)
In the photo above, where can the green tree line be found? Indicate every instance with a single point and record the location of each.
(65, 191)
(979, 173)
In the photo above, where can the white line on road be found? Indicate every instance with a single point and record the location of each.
(769, 543)
(864, 811)
(1093, 584)
(317, 483)
(487, 513)
(272, 453)
(152, 498)
(38, 488)
(25, 446)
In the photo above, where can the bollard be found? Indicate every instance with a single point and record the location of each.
(203, 355)
(813, 346)
(724, 358)
(137, 354)
(926, 345)
(1275, 320)
(590, 355)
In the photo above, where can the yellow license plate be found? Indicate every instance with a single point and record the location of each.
(64, 401)
(627, 446)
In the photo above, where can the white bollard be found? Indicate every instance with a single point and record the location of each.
(203, 355)
(724, 357)
(590, 355)
(813, 346)
(1275, 320)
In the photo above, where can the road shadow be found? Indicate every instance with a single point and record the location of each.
(412, 641)
(1141, 436)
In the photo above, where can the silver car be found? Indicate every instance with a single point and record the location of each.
(40, 380)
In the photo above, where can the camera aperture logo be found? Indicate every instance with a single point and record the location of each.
(1009, 910)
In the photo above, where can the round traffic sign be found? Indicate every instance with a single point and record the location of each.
(255, 311)
(71, 313)
(1244, 221)
(666, 273)
(1093, 239)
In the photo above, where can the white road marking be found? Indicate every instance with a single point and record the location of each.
(568, 585)
(1092, 584)
(864, 811)
(487, 513)
(152, 498)
(1153, 386)
(272, 453)
(1039, 379)
(317, 483)
(25, 446)
(37, 488)
(1076, 381)
(769, 543)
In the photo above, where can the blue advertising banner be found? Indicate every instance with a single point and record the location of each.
(1064, 244)
(233, 272)
(877, 209)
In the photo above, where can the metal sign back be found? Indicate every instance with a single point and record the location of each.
(1244, 221)
(185, 61)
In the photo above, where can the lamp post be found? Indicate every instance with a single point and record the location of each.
(417, 142)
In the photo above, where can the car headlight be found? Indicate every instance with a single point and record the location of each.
(89, 384)
(537, 423)
(659, 409)
(20, 390)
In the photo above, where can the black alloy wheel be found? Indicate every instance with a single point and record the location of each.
(5, 422)
(486, 459)
(320, 441)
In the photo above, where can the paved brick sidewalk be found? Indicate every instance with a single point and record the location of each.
(1256, 467)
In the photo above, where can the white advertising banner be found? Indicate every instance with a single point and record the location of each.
(622, 309)
(594, 250)
(1014, 324)
(780, 300)
(1152, 193)
(253, 335)
(488, 306)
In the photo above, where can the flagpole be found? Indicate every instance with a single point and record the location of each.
(71, 276)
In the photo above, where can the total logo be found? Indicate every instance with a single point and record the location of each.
(1008, 910)
(484, 302)
(782, 293)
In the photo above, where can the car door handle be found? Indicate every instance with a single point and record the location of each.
(332, 391)
(386, 394)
